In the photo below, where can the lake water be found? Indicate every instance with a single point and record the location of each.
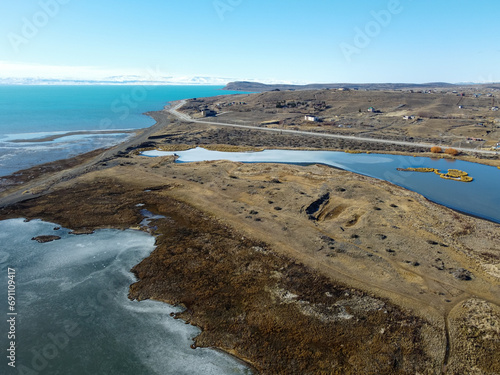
(480, 197)
(73, 314)
(33, 112)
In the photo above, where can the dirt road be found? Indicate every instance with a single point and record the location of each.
(184, 117)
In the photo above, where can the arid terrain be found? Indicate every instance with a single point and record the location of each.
(466, 118)
(296, 269)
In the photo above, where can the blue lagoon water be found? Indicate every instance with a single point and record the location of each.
(34, 112)
(480, 197)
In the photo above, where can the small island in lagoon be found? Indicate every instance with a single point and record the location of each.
(452, 174)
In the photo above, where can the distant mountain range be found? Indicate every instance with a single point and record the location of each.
(234, 86)
(260, 87)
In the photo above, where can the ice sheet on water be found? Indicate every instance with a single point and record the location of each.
(42, 135)
(18, 156)
(333, 158)
(148, 217)
(82, 282)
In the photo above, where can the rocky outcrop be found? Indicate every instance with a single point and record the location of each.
(44, 239)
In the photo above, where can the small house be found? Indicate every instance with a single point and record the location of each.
(311, 118)
(208, 113)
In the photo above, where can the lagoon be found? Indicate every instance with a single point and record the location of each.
(480, 197)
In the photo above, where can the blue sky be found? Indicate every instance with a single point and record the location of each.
(282, 40)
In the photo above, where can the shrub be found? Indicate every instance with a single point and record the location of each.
(451, 151)
(436, 149)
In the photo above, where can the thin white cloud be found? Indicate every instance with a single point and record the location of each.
(30, 70)
(32, 73)
(28, 73)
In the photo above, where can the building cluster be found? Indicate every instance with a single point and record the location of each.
(206, 111)
(317, 105)
(229, 104)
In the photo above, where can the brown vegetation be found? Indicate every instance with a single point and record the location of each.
(289, 278)
(436, 149)
(278, 314)
(290, 298)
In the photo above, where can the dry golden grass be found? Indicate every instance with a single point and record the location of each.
(170, 147)
(231, 148)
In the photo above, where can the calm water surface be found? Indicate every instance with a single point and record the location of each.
(34, 112)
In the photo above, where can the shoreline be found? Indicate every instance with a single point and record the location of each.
(227, 148)
(487, 157)
(117, 178)
(491, 220)
(117, 189)
(37, 170)
(222, 148)
(79, 132)
(80, 164)
(157, 116)
(160, 121)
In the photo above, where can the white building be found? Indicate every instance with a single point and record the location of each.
(311, 118)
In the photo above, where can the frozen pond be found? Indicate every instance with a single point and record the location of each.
(73, 314)
(480, 197)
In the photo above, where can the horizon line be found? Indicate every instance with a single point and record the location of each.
(56, 81)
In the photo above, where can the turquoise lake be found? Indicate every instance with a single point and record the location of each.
(33, 112)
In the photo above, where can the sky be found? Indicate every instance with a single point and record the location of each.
(286, 41)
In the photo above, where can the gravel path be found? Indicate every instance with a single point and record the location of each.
(184, 117)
